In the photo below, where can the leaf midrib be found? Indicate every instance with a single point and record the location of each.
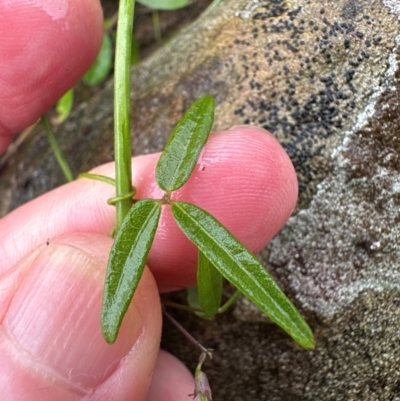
(182, 159)
(139, 233)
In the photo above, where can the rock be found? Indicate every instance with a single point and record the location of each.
(324, 77)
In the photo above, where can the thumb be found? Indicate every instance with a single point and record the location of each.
(51, 346)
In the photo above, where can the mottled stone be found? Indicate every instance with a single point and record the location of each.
(324, 77)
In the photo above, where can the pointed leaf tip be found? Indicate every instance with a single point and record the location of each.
(239, 266)
(180, 155)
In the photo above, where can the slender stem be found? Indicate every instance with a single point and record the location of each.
(116, 199)
(122, 118)
(98, 177)
(202, 387)
(110, 23)
(180, 306)
(156, 25)
(62, 161)
(207, 351)
(213, 4)
(229, 302)
(17, 143)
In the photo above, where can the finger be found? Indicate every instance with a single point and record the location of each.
(45, 48)
(243, 177)
(51, 346)
(171, 380)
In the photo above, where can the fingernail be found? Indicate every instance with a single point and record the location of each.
(54, 319)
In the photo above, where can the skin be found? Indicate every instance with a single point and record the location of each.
(53, 250)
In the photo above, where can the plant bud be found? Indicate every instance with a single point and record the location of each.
(202, 387)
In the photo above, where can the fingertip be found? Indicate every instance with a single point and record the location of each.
(172, 381)
(46, 48)
(51, 345)
(282, 180)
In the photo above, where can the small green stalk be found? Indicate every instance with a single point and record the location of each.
(98, 177)
(62, 161)
(156, 26)
(230, 302)
(122, 118)
(181, 306)
(202, 388)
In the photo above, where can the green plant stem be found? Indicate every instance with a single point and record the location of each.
(62, 161)
(98, 177)
(122, 118)
(229, 302)
(156, 25)
(180, 306)
(203, 349)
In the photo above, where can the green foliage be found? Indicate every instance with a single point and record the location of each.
(58, 154)
(101, 67)
(192, 298)
(239, 266)
(184, 146)
(164, 4)
(64, 107)
(220, 251)
(122, 109)
(209, 286)
(126, 263)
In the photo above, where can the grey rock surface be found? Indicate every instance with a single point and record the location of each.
(324, 77)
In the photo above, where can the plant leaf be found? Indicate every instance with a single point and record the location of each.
(101, 67)
(239, 266)
(64, 107)
(193, 298)
(209, 286)
(164, 4)
(180, 155)
(126, 263)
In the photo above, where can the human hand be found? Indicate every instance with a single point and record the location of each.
(54, 251)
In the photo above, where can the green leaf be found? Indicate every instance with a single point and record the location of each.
(193, 298)
(64, 107)
(209, 286)
(239, 266)
(101, 67)
(184, 146)
(126, 263)
(164, 4)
